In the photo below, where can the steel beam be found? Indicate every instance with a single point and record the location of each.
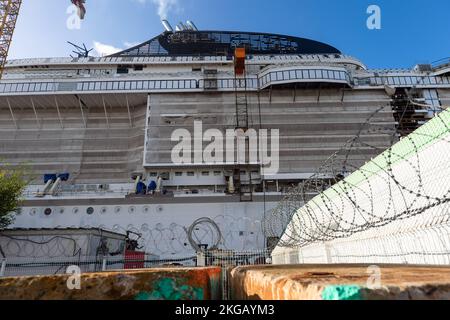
(35, 113)
(59, 113)
(12, 114)
(106, 112)
(82, 112)
(129, 113)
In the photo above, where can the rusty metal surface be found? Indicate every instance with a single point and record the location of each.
(154, 284)
(340, 282)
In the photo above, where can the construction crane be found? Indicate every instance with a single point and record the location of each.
(9, 12)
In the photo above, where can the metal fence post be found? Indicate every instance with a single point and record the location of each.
(3, 268)
(201, 259)
(104, 264)
(328, 256)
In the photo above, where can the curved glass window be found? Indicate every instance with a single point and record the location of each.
(223, 43)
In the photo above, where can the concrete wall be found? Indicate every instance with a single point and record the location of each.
(340, 282)
(155, 284)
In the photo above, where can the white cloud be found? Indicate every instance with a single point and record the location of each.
(164, 6)
(105, 49)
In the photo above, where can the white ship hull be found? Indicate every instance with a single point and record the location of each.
(162, 224)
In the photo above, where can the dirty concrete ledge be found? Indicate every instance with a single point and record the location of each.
(340, 282)
(301, 282)
(149, 284)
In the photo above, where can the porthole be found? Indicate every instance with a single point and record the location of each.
(131, 209)
(90, 210)
(104, 210)
(75, 210)
(159, 209)
(48, 211)
(33, 212)
(61, 210)
(117, 209)
(146, 209)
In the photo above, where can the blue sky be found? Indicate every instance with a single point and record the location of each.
(414, 31)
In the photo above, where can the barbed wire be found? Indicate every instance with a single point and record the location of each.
(42, 246)
(172, 239)
(396, 186)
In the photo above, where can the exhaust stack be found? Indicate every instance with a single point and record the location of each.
(182, 27)
(191, 25)
(167, 25)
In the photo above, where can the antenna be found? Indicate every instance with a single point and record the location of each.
(81, 52)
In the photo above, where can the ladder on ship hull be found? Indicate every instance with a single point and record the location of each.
(245, 188)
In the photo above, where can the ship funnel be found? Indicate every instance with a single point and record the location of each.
(191, 25)
(167, 25)
(182, 27)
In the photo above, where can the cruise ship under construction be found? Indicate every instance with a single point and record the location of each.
(98, 132)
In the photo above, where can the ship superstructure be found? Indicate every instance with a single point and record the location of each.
(101, 130)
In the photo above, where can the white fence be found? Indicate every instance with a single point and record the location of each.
(395, 209)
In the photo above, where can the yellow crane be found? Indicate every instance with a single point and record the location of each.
(9, 12)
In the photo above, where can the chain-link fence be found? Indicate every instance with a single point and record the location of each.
(228, 259)
(12, 267)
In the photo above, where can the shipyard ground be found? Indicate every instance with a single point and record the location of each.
(293, 282)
